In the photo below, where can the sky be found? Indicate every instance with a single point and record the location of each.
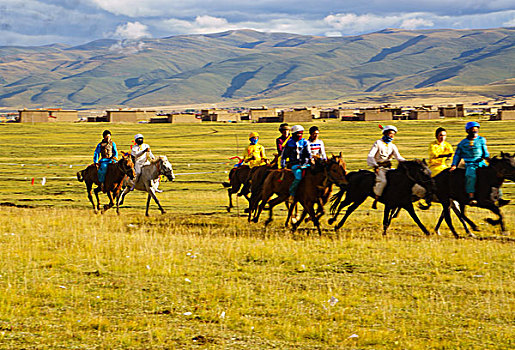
(74, 22)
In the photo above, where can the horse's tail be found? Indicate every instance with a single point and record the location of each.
(80, 175)
(336, 199)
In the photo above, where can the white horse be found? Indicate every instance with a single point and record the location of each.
(147, 181)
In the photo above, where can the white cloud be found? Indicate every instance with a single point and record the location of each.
(416, 23)
(510, 23)
(132, 31)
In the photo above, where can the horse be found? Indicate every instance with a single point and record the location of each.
(279, 181)
(256, 179)
(149, 173)
(396, 195)
(317, 189)
(115, 175)
(450, 187)
(237, 177)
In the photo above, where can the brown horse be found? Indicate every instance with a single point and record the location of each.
(237, 177)
(113, 181)
(316, 189)
(313, 189)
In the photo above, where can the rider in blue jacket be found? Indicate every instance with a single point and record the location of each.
(473, 151)
(105, 153)
(296, 156)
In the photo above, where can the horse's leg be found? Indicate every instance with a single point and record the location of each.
(151, 193)
(148, 203)
(312, 213)
(495, 209)
(349, 211)
(96, 190)
(124, 193)
(111, 202)
(386, 218)
(446, 214)
(271, 206)
(89, 187)
(298, 222)
(290, 213)
(456, 210)
(230, 200)
(466, 218)
(409, 208)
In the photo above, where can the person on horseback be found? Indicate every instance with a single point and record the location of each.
(296, 157)
(473, 151)
(255, 153)
(316, 146)
(105, 153)
(379, 158)
(141, 153)
(280, 142)
(439, 151)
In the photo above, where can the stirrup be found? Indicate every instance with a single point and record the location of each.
(472, 202)
(374, 205)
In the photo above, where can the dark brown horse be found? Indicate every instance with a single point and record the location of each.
(316, 189)
(450, 186)
(113, 181)
(237, 178)
(312, 189)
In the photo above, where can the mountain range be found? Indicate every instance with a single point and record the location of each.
(246, 67)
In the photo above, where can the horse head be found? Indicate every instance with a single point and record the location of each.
(126, 165)
(337, 169)
(504, 166)
(166, 168)
(417, 171)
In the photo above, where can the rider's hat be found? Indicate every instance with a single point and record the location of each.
(470, 125)
(296, 128)
(388, 128)
(253, 134)
(138, 136)
(105, 133)
(284, 126)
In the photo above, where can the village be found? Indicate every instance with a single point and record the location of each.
(261, 114)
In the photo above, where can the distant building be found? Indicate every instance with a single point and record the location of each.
(129, 115)
(47, 115)
(257, 113)
(220, 115)
(298, 115)
(452, 111)
(505, 113)
(373, 114)
(177, 118)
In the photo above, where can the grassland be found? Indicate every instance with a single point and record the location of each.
(199, 277)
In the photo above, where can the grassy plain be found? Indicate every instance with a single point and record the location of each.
(199, 277)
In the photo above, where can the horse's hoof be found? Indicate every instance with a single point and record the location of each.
(163, 212)
(471, 235)
(331, 221)
(228, 209)
(437, 232)
(294, 220)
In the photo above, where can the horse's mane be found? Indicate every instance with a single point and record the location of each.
(157, 159)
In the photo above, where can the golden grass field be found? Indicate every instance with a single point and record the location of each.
(199, 277)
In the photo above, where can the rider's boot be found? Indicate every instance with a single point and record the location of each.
(374, 205)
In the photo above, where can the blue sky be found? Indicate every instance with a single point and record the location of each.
(42, 22)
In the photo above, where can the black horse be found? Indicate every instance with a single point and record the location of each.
(396, 195)
(450, 186)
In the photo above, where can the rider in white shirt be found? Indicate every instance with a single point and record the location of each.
(316, 146)
(379, 158)
(141, 153)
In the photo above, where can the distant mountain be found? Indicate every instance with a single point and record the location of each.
(249, 67)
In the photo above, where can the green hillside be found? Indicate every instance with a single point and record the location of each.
(250, 67)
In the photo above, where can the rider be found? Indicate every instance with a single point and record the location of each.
(105, 153)
(296, 157)
(473, 151)
(254, 156)
(316, 146)
(255, 153)
(439, 151)
(280, 142)
(141, 153)
(379, 158)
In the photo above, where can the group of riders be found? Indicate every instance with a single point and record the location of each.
(296, 152)
(106, 153)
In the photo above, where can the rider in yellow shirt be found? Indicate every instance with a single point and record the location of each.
(255, 153)
(439, 151)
